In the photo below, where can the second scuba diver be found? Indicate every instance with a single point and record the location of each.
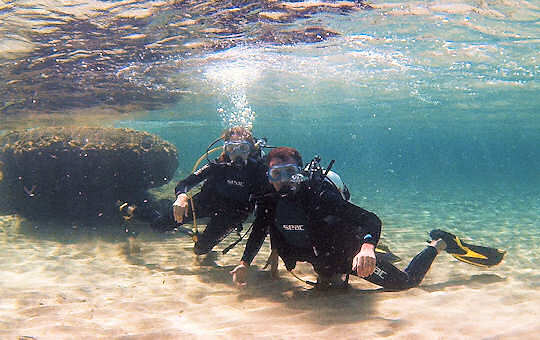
(309, 220)
(230, 180)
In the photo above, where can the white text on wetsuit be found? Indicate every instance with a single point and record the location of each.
(233, 182)
(379, 272)
(293, 227)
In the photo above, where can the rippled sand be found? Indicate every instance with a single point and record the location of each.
(65, 281)
(95, 283)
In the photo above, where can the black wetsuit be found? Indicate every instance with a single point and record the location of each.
(224, 198)
(318, 226)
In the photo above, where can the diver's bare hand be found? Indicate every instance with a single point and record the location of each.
(364, 261)
(239, 274)
(180, 208)
(272, 261)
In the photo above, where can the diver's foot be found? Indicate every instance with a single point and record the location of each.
(438, 244)
(449, 240)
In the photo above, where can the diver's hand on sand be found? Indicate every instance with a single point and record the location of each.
(272, 261)
(180, 208)
(239, 274)
(364, 261)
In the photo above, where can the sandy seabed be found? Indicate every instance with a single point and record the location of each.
(79, 283)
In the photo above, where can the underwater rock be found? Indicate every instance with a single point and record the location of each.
(81, 172)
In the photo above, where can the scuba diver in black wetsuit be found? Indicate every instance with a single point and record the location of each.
(225, 195)
(309, 220)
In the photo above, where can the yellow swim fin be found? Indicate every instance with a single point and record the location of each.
(472, 254)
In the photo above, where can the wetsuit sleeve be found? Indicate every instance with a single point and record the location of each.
(368, 225)
(363, 224)
(192, 180)
(260, 228)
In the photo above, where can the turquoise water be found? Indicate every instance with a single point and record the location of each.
(430, 110)
(432, 120)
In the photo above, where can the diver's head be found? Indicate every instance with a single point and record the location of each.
(285, 169)
(238, 145)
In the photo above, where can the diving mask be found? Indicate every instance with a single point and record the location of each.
(237, 150)
(285, 173)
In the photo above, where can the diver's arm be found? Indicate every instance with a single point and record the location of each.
(253, 245)
(368, 230)
(239, 274)
(180, 205)
(364, 262)
(258, 234)
(366, 226)
(363, 225)
(192, 180)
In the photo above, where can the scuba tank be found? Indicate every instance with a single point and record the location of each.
(318, 175)
(334, 178)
